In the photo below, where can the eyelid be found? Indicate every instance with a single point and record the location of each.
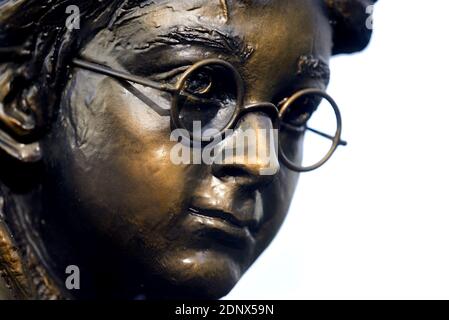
(169, 74)
(287, 94)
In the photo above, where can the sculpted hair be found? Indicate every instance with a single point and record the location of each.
(42, 47)
(37, 67)
(349, 20)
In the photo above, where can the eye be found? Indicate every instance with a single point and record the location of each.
(208, 95)
(200, 84)
(301, 110)
(170, 76)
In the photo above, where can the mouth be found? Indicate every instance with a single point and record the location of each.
(221, 226)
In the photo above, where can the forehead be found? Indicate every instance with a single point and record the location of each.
(266, 36)
(265, 24)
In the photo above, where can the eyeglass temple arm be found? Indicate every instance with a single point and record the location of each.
(340, 143)
(121, 75)
(128, 77)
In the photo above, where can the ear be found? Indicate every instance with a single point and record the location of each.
(17, 120)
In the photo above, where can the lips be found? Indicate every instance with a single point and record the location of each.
(225, 216)
(222, 226)
(219, 214)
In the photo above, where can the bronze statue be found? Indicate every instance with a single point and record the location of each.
(87, 108)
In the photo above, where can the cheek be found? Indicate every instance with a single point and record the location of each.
(276, 200)
(116, 154)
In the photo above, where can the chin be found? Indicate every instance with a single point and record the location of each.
(205, 274)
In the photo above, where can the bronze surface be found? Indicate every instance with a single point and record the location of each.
(86, 178)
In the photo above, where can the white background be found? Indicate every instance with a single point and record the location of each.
(373, 223)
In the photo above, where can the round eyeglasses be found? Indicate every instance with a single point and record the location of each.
(211, 92)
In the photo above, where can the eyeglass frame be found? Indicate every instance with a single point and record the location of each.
(267, 107)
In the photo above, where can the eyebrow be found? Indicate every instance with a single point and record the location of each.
(232, 45)
(308, 66)
(311, 67)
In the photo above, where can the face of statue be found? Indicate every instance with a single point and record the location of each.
(111, 190)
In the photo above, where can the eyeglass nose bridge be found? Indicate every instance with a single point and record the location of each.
(275, 113)
(267, 108)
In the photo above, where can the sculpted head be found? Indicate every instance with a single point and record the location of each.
(87, 177)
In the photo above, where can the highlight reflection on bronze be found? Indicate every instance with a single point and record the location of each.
(86, 175)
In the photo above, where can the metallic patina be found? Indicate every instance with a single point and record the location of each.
(85, 173)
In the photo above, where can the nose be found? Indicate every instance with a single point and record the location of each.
(249, 153)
